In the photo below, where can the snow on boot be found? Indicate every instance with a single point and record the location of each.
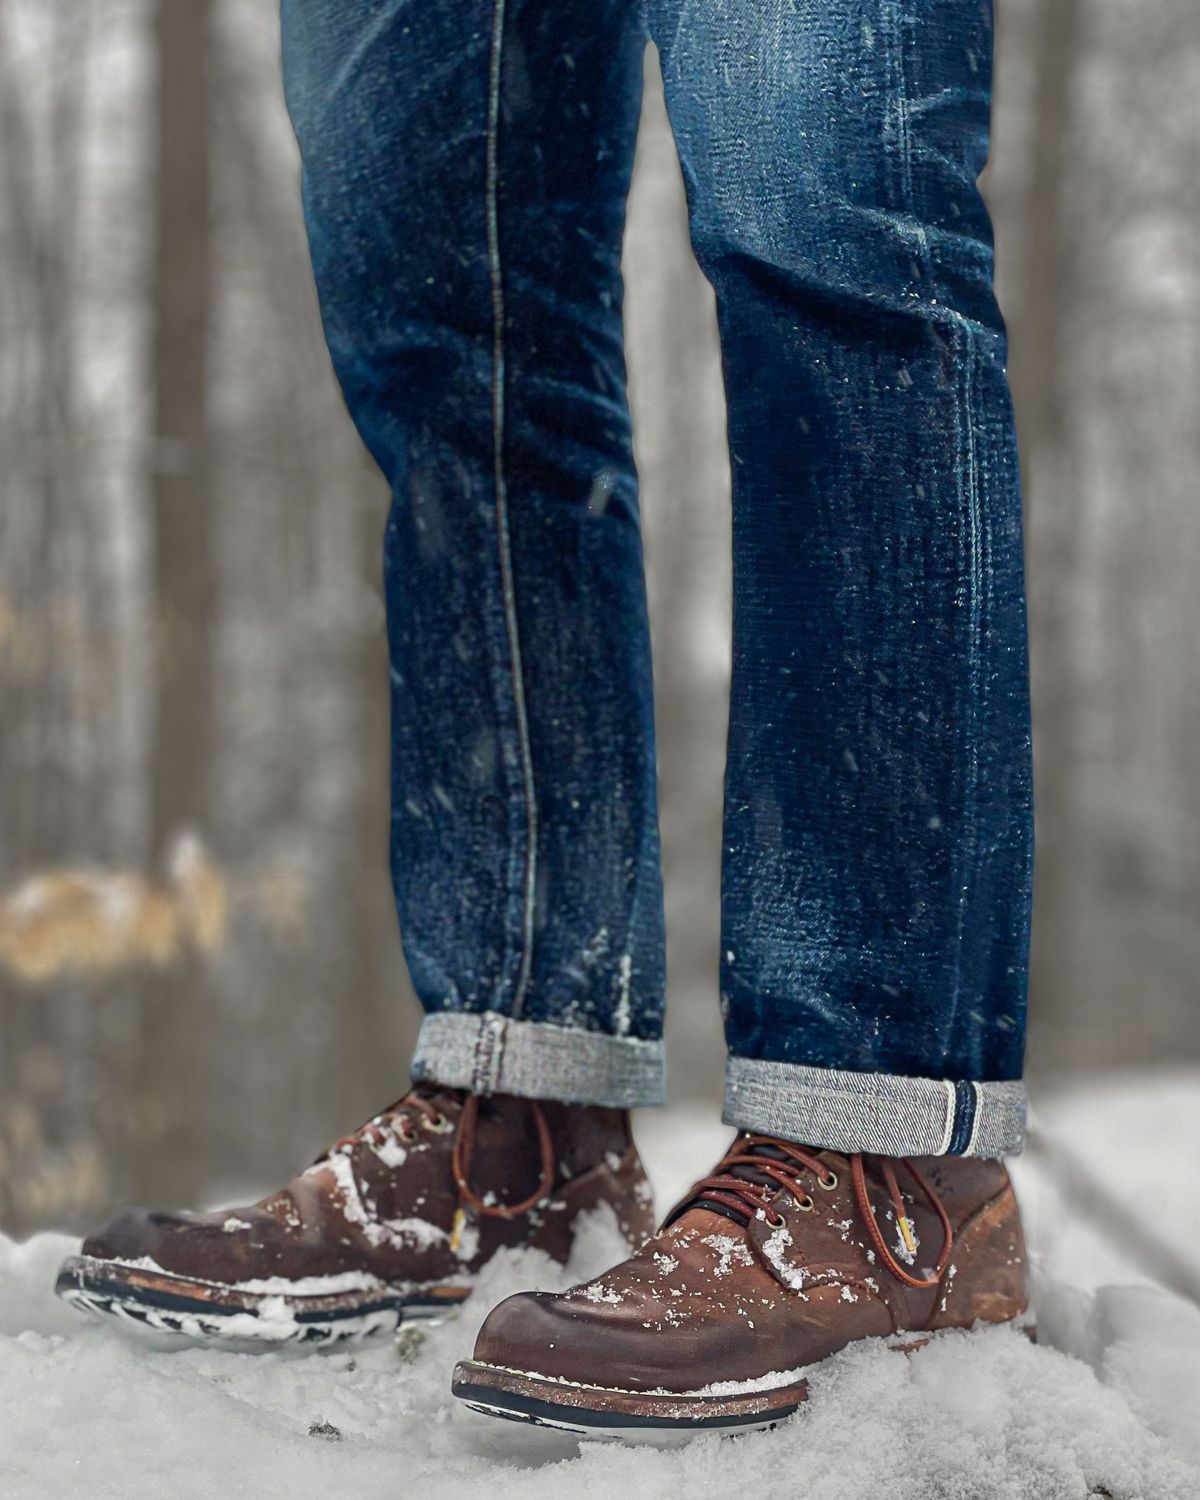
(780, 1258)
(392, 1223)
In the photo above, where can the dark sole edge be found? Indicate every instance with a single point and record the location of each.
(501, 1400)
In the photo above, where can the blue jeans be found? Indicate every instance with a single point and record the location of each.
(466, 164)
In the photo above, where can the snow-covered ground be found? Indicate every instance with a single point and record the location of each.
(1108, 1404)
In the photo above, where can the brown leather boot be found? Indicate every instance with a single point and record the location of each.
(779, 1259)
(393, 1222)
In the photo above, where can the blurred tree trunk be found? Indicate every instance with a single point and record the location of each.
(683, 481)
(1041, 414)
(170, 1093)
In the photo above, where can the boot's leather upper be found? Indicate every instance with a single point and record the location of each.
(771, 1265)
(424, 1192)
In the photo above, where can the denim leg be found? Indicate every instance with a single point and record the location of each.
(877, 823)
(465, 173)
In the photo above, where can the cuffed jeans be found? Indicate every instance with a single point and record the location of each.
(466, 164)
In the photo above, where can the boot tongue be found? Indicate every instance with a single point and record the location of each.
(433, 1092)
(744, 1171)
(748, 1172)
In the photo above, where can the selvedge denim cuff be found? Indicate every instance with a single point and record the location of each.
(492, 1054)
(878, 1112)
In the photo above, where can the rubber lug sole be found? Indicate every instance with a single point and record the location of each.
(173, 1310)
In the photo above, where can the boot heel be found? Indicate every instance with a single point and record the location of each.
(987, 1280)
(619, 1181)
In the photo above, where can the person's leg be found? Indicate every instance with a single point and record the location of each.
(877, 823)
(465, 172)
(877, 850)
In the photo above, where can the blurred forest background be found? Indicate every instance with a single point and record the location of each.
(199, 967)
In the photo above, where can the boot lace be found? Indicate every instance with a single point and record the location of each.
(422, 1107)
(757, 1167)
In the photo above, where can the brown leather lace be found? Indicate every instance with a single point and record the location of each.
(421, 1103)
(787, 1165)
(464, 1145)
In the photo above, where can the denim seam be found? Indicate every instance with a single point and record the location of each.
(503, 540)
(948, 1133)
(964, 1099)
(968, 483)
(903, 140)
(489, 1047)
(968, 479)
(969, 1148)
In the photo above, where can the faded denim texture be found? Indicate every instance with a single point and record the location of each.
(465, 173)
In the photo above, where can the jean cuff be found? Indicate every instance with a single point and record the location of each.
(491, 1054)
(877, 1112)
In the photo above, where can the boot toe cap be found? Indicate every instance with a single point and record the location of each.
(606, 1346)
(132, 1234)
(218, 1247)
(523, 1333)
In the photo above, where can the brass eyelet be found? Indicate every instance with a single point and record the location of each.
(828, 1183)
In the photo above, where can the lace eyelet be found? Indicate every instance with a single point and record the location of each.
(439, 1125)
(828, 1183)
(774, 1221)
(805, 1205)
(409, 1137)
